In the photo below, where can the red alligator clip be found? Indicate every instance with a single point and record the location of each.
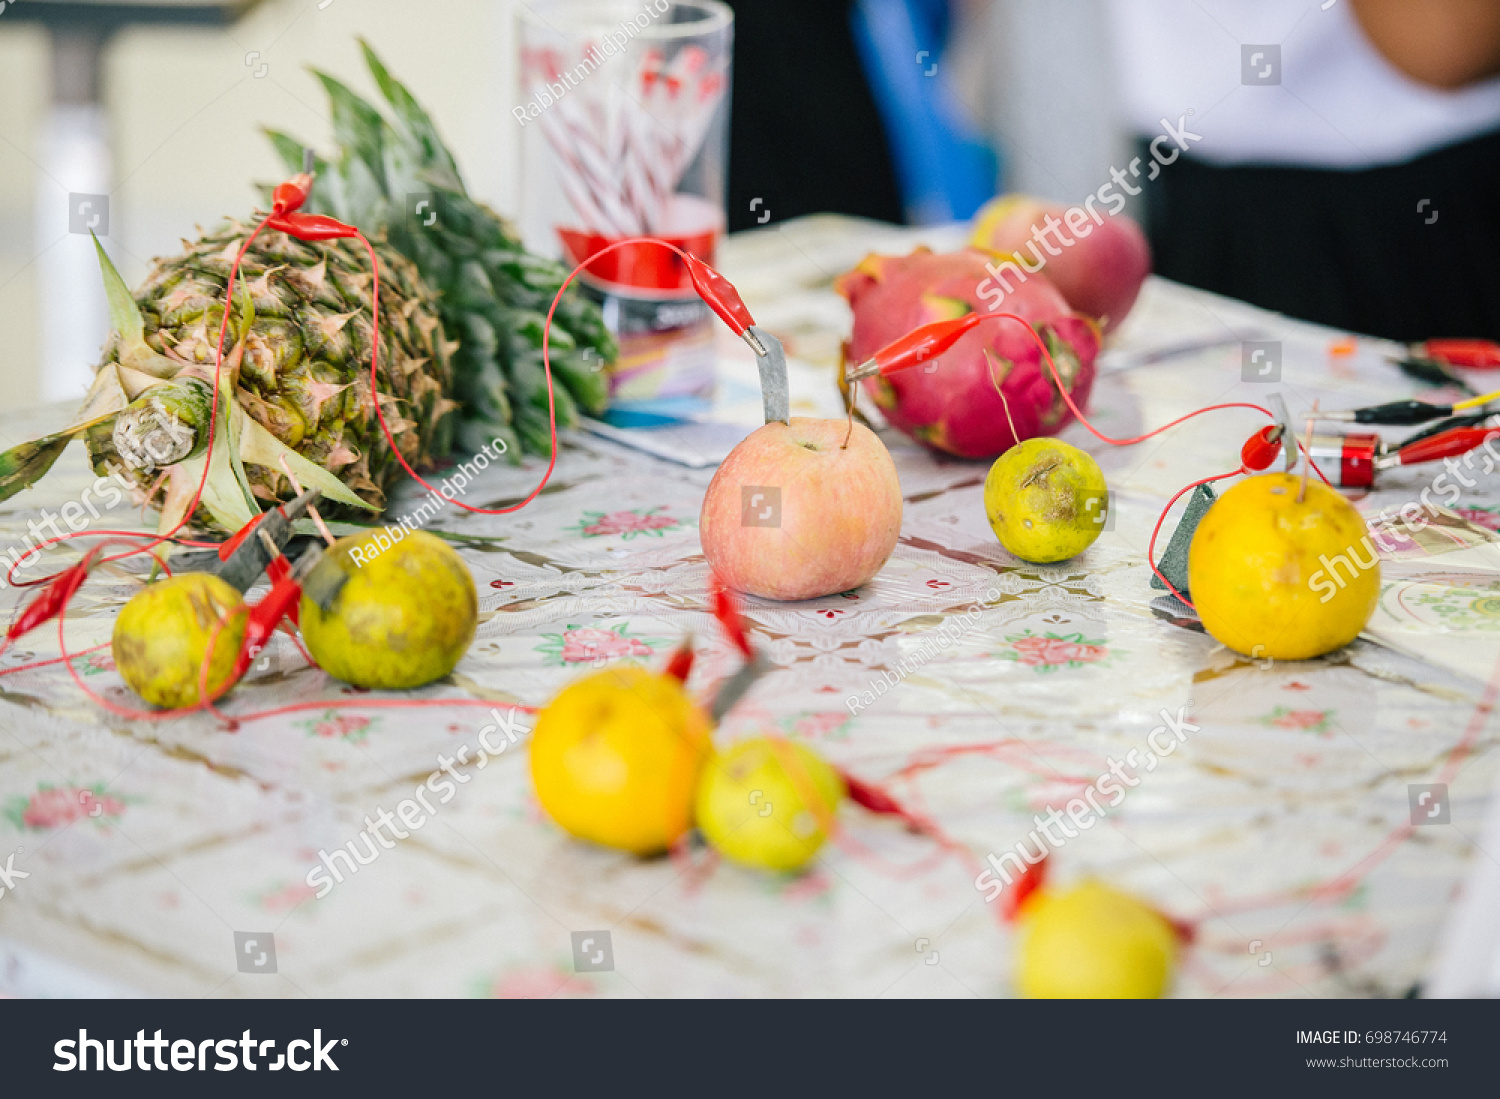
(1474, 354)
(265, 616)
(50, 601)
(726, 609)
(681, 664)
(310, 226)
(1352, 457)
(916, 347)
(291, 195)
(719, 294)
(1447, 444)
(1261, 449)
(226, 551)
(288, 198)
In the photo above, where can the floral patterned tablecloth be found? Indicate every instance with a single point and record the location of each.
(172, 858)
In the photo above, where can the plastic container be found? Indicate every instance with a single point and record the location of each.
(624, 115)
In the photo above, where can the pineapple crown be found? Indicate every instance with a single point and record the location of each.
(493, 294)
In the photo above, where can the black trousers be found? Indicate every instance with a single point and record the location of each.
(1410, 251)
(805, 135)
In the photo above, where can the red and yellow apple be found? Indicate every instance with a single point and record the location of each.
(794, 514)
(1097, 261)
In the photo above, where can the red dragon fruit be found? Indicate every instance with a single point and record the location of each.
(951, 403)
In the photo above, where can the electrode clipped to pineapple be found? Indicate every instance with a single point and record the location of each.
(391, 610)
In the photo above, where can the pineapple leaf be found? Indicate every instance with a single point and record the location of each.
(356, 125)
(27, 463)
(417, 122)
(362, 194)
(403, 168)
(289, 149)
(182, 481)
(260, 447)
(226, 494)
(108, 393)
(230, 425)
(226, 504)
(126, 318)
(247, 309)
(124, 314)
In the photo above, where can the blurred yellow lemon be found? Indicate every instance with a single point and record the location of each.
(162, 636)
(767, 803)
(403, 619)
(616, 758)
(1276, 578)
(1092, 942)
(1046, 501)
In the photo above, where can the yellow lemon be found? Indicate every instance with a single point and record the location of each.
(1046, 500)
(162, 636)
(768, 802)
(1092, 942)
(616, 758)
(404, 618)
(1276, 578)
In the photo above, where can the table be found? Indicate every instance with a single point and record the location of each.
(165, 858)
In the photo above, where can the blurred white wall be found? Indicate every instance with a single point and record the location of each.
(184, 110)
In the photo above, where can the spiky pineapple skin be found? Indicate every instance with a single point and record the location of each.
(493, 294)
(298, 352)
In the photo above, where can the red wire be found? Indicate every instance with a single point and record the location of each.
(53, 659)
(377, 704)
(137, 534)
(1084, 420)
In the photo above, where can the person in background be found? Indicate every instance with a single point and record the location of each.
(1343, 159)
(805, 136)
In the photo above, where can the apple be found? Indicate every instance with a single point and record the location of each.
(1101, 263)
(794, 514)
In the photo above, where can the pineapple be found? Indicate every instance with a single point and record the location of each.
(493, 295)
(295, 397)
(295, 394)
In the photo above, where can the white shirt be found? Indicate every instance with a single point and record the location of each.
(1339, 103)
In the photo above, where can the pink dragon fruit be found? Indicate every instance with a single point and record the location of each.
(951, 403)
